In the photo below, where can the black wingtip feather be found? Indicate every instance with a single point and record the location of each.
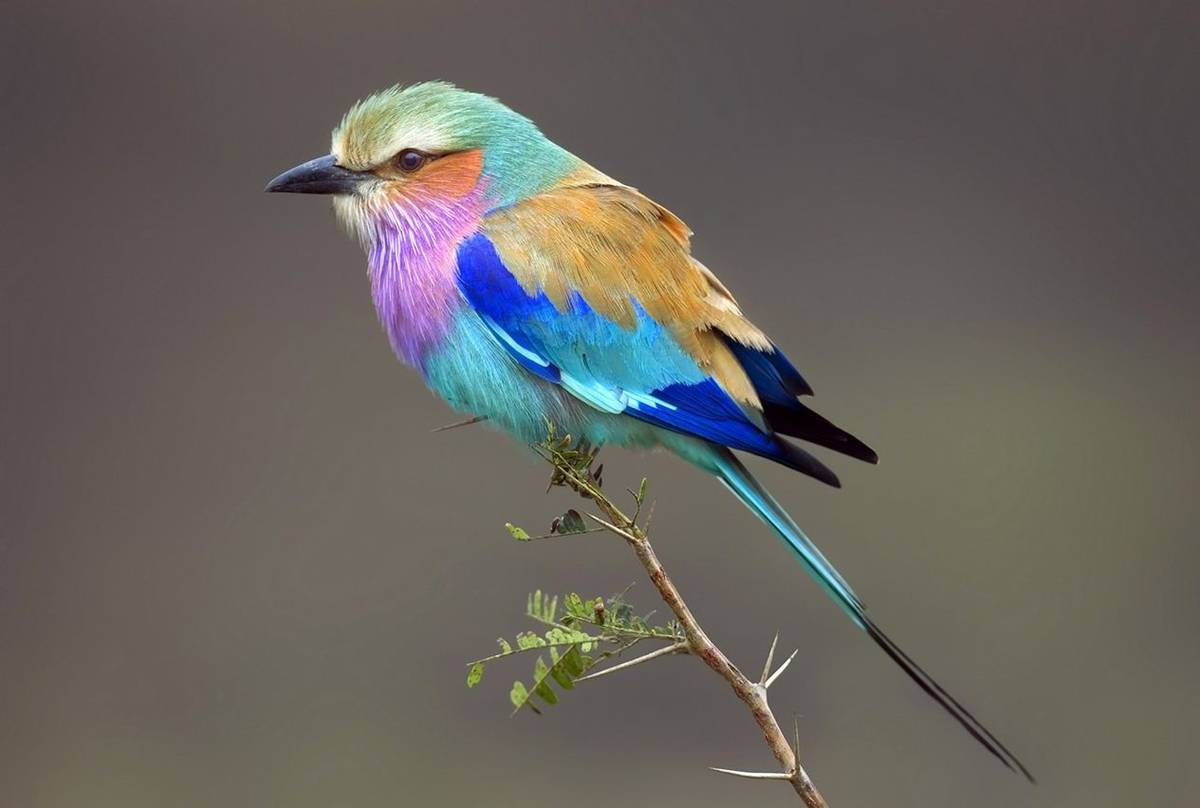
(948, 702)
(800, 422)
(796, 458)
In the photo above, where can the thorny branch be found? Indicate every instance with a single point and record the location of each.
(573, 469)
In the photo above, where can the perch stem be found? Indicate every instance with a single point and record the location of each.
(752, 694)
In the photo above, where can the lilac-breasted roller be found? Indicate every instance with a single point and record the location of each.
(527, 287)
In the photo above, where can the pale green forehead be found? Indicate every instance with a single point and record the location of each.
(438, 117)
(433, 117)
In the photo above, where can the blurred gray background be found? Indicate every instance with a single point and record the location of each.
(236, 569)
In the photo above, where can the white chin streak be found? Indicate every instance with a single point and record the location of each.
(353, 212)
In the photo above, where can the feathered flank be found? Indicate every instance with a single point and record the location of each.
(526, 287)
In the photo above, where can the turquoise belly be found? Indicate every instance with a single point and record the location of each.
(476, 375)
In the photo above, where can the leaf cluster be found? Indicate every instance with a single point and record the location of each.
(578, 635)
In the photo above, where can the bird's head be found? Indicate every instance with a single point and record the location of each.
(428, 146)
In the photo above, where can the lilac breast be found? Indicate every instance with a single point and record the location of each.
(411, 262)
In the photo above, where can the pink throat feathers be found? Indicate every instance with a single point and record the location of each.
(411, 263)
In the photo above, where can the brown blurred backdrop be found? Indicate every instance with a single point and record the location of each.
(236, 569)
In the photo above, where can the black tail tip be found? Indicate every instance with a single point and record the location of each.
(951, 705)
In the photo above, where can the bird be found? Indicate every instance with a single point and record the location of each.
(527, 287)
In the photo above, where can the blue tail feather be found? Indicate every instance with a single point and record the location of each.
(738, 479)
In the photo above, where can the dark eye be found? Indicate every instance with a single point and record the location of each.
(410, 160)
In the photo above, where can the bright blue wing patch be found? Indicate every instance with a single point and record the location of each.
(527, 356)
(774, 377)
(702, 409)
(640, 371)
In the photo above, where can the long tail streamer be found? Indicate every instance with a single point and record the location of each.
(751, 493)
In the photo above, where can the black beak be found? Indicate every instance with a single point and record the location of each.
(319, 176)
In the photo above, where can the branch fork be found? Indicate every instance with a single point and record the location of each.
(573, 469)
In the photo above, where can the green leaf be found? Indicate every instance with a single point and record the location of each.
(567, 667)
(562, 636)
(528, 639)
(540, 686)
(519, 696)
(573, 604)
(641, 492)
(570, 522)
(570, 648)
(543, 607)
(575, 662)
(517, 533)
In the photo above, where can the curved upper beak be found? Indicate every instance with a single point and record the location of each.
(319, 176)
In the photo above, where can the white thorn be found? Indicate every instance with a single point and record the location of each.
(770, 658)
(677, 648)
(782, 668)
(613, 528)
(753, 775)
